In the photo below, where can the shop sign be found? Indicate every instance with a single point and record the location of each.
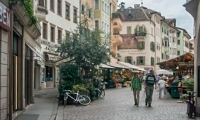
(133, 52)
(5, 17)
(50, 46)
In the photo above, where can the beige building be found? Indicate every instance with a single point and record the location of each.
(193, 7)
(139, 36)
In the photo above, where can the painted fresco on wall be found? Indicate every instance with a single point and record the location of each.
(129, 42)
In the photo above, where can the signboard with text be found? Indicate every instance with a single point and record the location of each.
(5, 17)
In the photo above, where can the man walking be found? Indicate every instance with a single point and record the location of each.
(149, 86)
(136, 86)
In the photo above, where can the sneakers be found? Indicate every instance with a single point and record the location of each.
(149, 105)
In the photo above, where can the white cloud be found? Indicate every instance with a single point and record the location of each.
(169, 9)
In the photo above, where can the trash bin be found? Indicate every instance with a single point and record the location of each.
(174, 90)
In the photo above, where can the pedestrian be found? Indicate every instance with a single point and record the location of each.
(149, 86)
(136, 86)
(161, 84)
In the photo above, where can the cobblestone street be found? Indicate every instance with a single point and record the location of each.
(118, 104)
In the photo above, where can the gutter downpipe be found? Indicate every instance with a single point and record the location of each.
(155, 47)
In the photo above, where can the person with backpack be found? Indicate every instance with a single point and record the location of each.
(149, 87)
(136, 86)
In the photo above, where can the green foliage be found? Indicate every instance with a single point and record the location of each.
(80, 88)
(28, 10)
(189, 83)
(86, 47)
(92, 90)
(69, 72)
(116, 15)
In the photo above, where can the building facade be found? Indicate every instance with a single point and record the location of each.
(102, 15)
(193, 7)
(169, 39)
(5, 35)
(141, 38)
(183, 41)
(67, 14)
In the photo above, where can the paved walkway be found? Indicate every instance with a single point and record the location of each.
(45, 107)
(118, 104)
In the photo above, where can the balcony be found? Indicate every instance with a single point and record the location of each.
(140, 35)
(41, 12)
(116, 22)
(116, 40)
(34, 30)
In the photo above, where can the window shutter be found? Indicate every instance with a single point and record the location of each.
(138, 45)
(143, 60)
(143, 45)
(137, 60)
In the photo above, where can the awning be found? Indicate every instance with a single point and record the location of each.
(131, 66)
(36, 53)
(162, 71)
(105, 66)
(52, 57)
(128, 65)
(118, 65)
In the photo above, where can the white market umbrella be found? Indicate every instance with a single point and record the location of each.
(162, 71)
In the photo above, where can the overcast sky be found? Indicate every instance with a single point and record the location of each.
(169, 9)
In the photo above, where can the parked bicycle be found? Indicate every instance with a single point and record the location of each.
(191, 107)
(82, 99)
(100, 90)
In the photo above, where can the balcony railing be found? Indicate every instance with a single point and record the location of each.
(140, 34)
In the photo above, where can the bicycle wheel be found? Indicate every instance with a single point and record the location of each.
(102, 94)
(84, 100)
(65, 100)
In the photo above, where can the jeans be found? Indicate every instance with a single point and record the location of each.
(149, 93)
(136, 94)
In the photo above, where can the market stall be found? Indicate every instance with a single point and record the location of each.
(183, 70)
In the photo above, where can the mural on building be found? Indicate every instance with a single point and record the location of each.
(129, 42)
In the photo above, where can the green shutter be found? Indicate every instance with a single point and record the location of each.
(143, 60)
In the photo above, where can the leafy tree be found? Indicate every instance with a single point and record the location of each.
(86, 47)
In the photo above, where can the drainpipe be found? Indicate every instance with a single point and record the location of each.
(10, 69)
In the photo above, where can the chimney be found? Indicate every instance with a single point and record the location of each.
(137, 6)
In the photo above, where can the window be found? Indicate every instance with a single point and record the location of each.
(178, 52)
(59, 36)
(152, 61)
(152, 31)
(162, 56)
(59, 7)
(44, 32)
(162, 29)
(166, 43)
(152, 46)
(67, 11)
(96, 24)
(49, 73)
(186, 44)
(52, 34)
(41, 3)
(82, 9)
(96, 4)
(141, 60)
(90, 13)
(75, 15)
(67, 33)
(140, 45)
(128, 59)
(178, 42)
(173, 40)
(128, 29)
(103, 9)
(52, 5)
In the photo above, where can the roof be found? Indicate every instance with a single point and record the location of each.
(184, 31)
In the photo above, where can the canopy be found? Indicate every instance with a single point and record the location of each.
(131, 66)
(128, 65)
(162, 71)
(117, 65)
(105, 66)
